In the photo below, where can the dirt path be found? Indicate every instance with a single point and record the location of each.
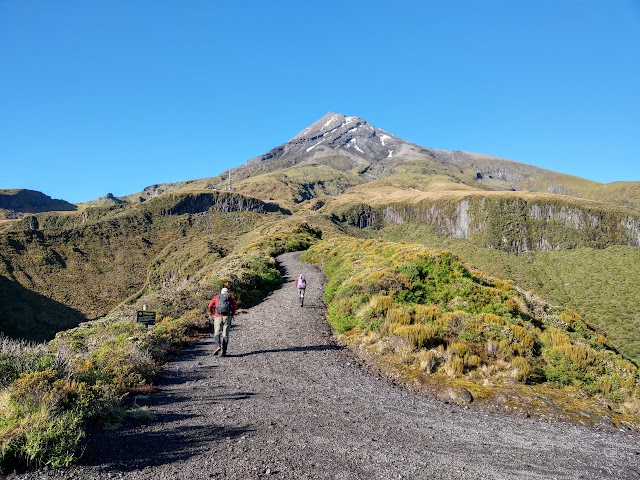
(289, 403)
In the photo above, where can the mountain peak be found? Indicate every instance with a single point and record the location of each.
(336, 133)
(328, 123)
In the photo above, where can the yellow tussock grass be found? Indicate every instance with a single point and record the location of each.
(554, 337)
(457, 348)
(398, 315)
(578, 354)
(454, 366)
(427, 313)
(492, 318)
(523, 336)
(417, 334)
(521, 368)
(428, 360)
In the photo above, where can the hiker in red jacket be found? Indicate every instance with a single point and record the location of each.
(223, 307)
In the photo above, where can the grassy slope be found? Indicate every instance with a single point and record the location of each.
(292, 186)
(118, 265)
(602, 285)
(413, 188)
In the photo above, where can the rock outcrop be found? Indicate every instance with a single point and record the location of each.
(509, 223)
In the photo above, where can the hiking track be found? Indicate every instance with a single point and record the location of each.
(290, 403)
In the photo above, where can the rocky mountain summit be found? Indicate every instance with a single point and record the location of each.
(336, 133)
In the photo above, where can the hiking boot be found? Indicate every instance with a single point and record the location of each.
(224, 349)
(217, 350)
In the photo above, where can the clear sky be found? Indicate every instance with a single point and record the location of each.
(102, 97)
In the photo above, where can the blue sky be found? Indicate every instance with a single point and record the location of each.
(102, 97)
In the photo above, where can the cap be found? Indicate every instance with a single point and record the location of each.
(224, 290)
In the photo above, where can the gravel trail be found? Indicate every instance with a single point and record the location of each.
(289, 403)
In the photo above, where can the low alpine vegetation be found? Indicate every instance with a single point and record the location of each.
(600, 284)
(51, 391)
(441, 320)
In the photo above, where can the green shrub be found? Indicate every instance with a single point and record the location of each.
(42, 438)
(41, 420)
(560, 369)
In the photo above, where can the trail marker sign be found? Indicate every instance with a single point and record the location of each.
(147, 317)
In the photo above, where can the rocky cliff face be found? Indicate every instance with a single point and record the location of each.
(170, 204)
(512, 224)
(218, 202)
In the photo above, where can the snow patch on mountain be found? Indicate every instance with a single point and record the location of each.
(354, 144)
(314, 146)
(328, 122)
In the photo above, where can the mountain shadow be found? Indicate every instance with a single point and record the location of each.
(28, 315)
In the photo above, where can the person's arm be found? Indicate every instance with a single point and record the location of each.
(212, 304)
(234, 305)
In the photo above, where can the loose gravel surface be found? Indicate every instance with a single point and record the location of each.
(290, 403)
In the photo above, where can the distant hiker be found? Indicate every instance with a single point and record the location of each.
(301, 282)
(223, 307)
(301, 285)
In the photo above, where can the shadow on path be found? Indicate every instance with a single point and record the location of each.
(186, 431)
(133, 450)
(310, 348)
(321, 307)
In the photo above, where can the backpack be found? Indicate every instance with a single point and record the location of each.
(302, 283)
(224, 304)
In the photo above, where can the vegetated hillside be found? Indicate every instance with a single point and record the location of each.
(429, 316)
(601, 284)
(87, 263)
(50, 392)
(425, 316)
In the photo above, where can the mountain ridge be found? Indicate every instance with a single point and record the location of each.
(358, 152)
(351, 144)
